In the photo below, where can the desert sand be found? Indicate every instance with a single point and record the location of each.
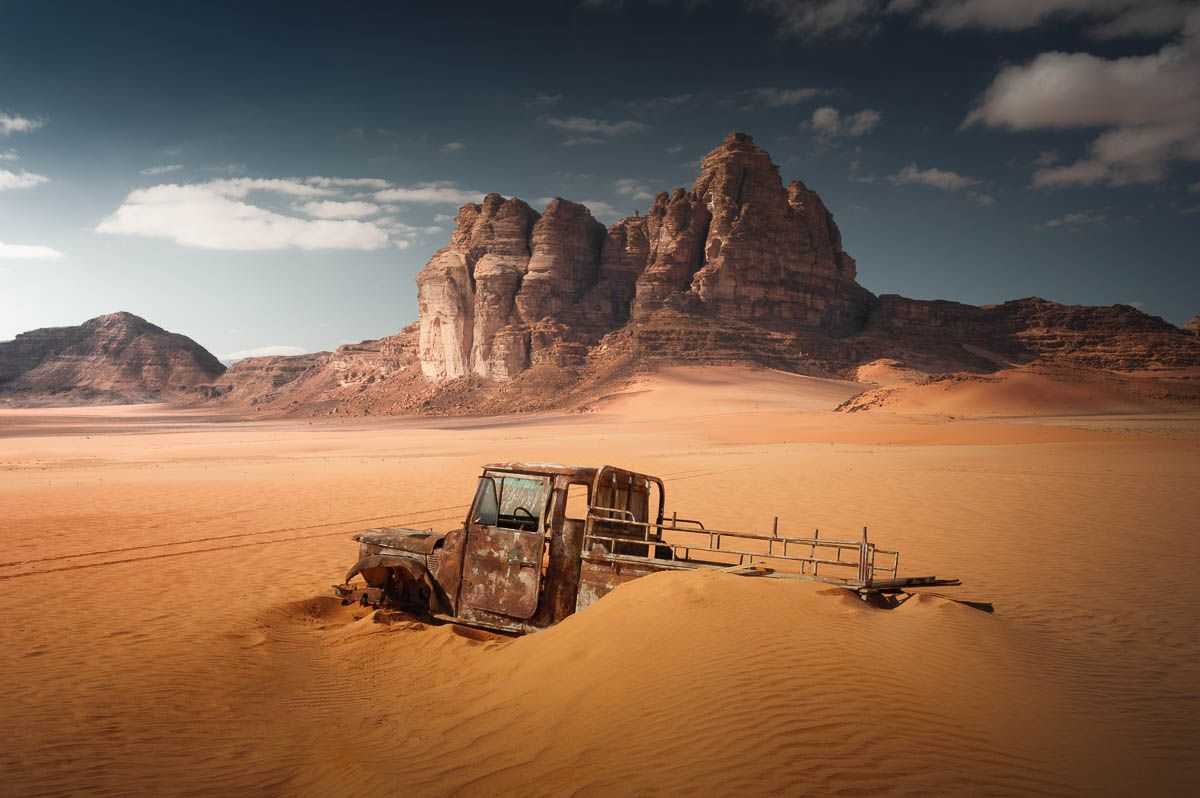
(168, 626)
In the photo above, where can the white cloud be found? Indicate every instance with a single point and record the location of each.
(1075, 220)
(12, 180)
(934, 178)
(575, 141)
(1148, 108)
(443, 217)
(12, 123)
(365, 183)
(292, 186)
(863, 122)
(162, 170)
(408, 231)
(629, 187)
(588, 126)
(263, 351)
(546, 100)
(27, 252)
(453, 146)
(214, 215)
(812, 18)
(779, 98)
(333, 209)
(9, 155)
(663, 103)
(438, 192)
(828, 122)
(981, 199)
(1107, 18)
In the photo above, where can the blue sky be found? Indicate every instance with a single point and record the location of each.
(275, 176)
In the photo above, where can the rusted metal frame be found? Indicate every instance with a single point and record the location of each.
(676, 521)
(718, 533)
(684, 565)
(742, 554)
(750, 535)
(864, 566)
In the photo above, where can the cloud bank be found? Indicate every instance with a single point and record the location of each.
(217, 215)
(1147, 107)
(28, 252)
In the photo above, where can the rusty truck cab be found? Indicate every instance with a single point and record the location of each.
(520, 545)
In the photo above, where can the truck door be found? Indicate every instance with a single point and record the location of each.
(502, 564)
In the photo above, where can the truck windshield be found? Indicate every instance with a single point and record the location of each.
(510, 501)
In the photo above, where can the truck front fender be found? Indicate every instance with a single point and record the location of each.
(409, 573)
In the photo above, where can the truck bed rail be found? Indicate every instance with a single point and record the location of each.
(613, 531)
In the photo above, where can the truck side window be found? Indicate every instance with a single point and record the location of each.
(577, 501)
(487, 508)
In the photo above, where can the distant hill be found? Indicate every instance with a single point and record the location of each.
(115, 358)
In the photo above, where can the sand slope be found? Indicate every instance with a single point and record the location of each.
(1027, 391)
(168, 629)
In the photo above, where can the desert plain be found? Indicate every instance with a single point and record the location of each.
(169, 627)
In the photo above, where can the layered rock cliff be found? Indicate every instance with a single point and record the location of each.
(377, 376)
(514, 289)
(118, 357)
(524, 311)
(1114, 337)
(739, 267)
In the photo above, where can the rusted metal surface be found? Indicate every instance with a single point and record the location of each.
(519, 563)
(502, 571)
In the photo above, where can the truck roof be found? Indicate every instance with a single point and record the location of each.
(587, 472)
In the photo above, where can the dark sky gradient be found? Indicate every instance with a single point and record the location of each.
(374, 89)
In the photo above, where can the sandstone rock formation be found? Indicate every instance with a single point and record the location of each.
(512, 290)
(739, 267)
(1116, 337)
(381, 375)
(525, 311)
(1193, 324)
(114, 358)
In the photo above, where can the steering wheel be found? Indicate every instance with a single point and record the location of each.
(523, 510)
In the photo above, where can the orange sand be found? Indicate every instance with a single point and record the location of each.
(167, 630)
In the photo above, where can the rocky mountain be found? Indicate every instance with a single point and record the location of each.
(522, 310)
(1193, 324)
(515, 289)
(118, 357)
(738, 267)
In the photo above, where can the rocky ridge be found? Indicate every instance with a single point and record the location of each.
(527, 311)
(524, 311)
(118, 357)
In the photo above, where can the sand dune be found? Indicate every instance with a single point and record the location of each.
(1027, 391)
(168, 627)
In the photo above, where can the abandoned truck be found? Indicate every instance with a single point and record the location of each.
(542, 541)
